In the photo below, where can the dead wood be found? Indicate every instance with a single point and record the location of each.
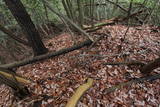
(125, 10)
(151, 66)
(137, 80)
(46, 56)
(128, 63)
(146, 68)
(79, 93)
(112, 21)
(12, 75)
(94, 29)
(15, 82)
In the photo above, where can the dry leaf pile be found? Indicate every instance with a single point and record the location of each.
(56, 79)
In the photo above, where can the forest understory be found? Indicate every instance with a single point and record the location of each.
(55, 80)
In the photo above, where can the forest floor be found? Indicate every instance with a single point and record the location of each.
(56, 79)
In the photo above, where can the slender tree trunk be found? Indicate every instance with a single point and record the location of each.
(24, 20)
(66, 9)
(80, 11)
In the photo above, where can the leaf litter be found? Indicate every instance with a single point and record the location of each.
(56, 79)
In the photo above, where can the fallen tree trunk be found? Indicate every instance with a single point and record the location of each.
(113, 21)
(13, 76)
(46, 56)
(145, 68)
(137, 80)
(125, 10)
(128, 63)
(16, 82)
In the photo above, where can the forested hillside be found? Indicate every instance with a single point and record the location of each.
(79, 53)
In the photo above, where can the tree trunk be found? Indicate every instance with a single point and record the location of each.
(24, 20)
(80, 11)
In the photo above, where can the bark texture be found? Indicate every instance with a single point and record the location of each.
(19, 12)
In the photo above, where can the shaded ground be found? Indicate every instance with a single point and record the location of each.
(55, 79)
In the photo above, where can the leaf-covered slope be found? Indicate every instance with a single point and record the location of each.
(56, 79)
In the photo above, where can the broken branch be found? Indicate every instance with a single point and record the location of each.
(137, 80)
(79, 92)
(14, 81)
(10, 75)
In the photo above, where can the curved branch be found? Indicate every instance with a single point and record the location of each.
(79, 92)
